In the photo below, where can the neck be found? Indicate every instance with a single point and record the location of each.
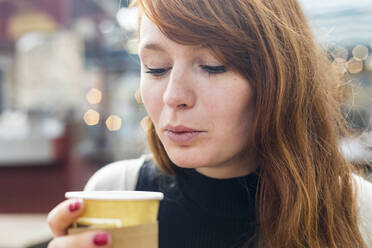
(235, 167)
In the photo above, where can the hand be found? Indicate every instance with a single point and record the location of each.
(62, 216)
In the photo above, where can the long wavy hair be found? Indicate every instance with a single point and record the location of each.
(305, 196)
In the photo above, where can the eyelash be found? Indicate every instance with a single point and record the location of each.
(211, 70)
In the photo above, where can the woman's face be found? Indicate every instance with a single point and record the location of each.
(187, 86)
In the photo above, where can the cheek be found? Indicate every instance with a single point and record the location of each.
(152, 99)
(232, 117)
(233, 105)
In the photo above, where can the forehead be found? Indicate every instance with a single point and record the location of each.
(151, 38)
(149, 33)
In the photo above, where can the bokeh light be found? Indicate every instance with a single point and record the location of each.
(339, 64)
(128, 18)
(354, 66)
(360, 52)
(368, 63)
(340, 52)
(91, 117)
(94, 96)
(113, 123)
(132, 46)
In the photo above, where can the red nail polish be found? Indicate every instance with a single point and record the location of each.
(74, 206)
(101, 239)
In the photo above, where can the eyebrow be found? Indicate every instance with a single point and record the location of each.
(158, 47)
(153, 46)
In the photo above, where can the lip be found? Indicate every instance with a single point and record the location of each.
(180, 128)
(181, 137)
(181, 134)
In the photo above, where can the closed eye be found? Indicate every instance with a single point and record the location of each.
(214, 69)
(157, 71)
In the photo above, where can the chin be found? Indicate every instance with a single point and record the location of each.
(190, 156)
(186, 159)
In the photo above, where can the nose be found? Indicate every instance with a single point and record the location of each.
(179, 93)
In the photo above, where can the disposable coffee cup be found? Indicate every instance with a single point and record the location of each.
(117, 209)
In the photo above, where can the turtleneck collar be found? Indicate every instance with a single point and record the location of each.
(232, 198)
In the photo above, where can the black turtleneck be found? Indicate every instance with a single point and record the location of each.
(201, 212)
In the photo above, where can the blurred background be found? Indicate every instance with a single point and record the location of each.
(68, 77)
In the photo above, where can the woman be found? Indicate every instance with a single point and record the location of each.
(243, 123)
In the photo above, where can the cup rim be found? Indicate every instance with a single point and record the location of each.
(115, 195)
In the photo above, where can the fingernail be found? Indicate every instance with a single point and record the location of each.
(74, 206)
(101, 239)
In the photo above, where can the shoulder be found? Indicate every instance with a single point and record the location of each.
(120, 175)
(152, 178)
(364, 193)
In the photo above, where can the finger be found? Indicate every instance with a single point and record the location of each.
(63, 215)
(83, 240)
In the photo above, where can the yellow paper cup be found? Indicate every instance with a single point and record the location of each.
(107, 209)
